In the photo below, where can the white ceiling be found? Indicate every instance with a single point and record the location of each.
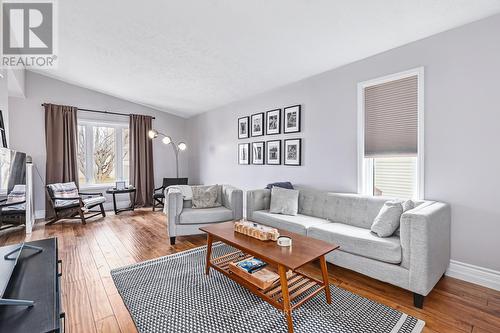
(189, 56)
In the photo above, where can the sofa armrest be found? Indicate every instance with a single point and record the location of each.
(426, 233)
(173, 208)
(232, 198)
(257, 200)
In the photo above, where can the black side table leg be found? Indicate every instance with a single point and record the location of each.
(114, 204)
(132, 204)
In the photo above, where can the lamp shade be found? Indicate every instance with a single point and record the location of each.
(182, 146)
(152, 134)
(166, 140)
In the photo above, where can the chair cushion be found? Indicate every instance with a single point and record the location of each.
(159, 196)
(18, 194)
(205, 215)
(359, 241)
(64, 190)
(91, 202)
(298, 223)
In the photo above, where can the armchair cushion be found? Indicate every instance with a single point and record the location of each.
(17, 195)
(91, 202)
(64, 190)
(159, 195)
(205, 215)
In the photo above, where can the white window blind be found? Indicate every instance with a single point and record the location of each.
(395, 177)
(391, 118)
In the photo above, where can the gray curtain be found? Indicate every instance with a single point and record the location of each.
(61, 145)
(141, 159)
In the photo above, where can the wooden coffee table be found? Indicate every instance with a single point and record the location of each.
(281, 294)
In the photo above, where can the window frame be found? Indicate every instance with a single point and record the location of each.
(366, 165)
(89, 124)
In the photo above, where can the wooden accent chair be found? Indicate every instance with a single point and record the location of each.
(159, 193)
(13, 208)
(69, 203)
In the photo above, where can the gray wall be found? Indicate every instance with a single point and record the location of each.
(27, 126)
(462, 132)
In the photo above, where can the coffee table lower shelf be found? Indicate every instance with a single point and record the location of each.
(299, 285)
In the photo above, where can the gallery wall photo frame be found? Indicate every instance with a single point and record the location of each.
(292, 152)
(273, 122)
(273, 152)
(257, 124)
(243, 127)
(258, 153)
(244, 153)
(292, 119)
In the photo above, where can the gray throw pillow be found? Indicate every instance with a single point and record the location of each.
(206, 196)
(388, 219)
(284, 201)
(408, 204)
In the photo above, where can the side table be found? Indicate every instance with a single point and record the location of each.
(114, 192)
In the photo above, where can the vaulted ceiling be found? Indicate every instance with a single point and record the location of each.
(189, 56)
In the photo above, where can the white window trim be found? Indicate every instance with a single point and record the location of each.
(119, 127)
(365, 177)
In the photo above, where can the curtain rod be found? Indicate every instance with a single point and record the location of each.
(105, 112)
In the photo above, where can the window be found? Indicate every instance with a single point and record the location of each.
(390, 136)
(103, 152)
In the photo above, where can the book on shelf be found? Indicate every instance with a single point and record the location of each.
(251, 265)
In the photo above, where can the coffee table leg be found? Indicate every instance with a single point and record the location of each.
(324, 271)
(209, 253)
(286, 297)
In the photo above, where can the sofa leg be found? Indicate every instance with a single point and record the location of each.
(172, 240)
(418, 300)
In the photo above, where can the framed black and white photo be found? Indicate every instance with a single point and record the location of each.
(273, 122)
(257, 124)
(243, 132)
(293, 151)
(258, 152)
(292, 119)
(120, 185)
(244, 153)
(273, 152)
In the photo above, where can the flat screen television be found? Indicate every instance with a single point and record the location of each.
(12, 205)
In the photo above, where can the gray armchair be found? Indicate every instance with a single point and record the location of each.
(184, 220)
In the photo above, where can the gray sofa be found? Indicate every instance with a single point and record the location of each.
(184, 220)
(414, 258)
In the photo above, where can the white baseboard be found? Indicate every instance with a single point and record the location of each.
(479, 275)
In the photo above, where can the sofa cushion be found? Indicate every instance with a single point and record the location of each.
(284, 201)
(205, 215)
(359, 241)
(298, 223)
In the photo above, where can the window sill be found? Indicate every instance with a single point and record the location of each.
(96, 186)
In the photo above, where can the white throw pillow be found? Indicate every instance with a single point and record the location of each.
(388, 218)
(284, 201)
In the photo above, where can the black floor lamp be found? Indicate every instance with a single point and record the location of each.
(181, 146)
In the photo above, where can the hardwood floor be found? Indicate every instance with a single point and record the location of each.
(92, 303)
